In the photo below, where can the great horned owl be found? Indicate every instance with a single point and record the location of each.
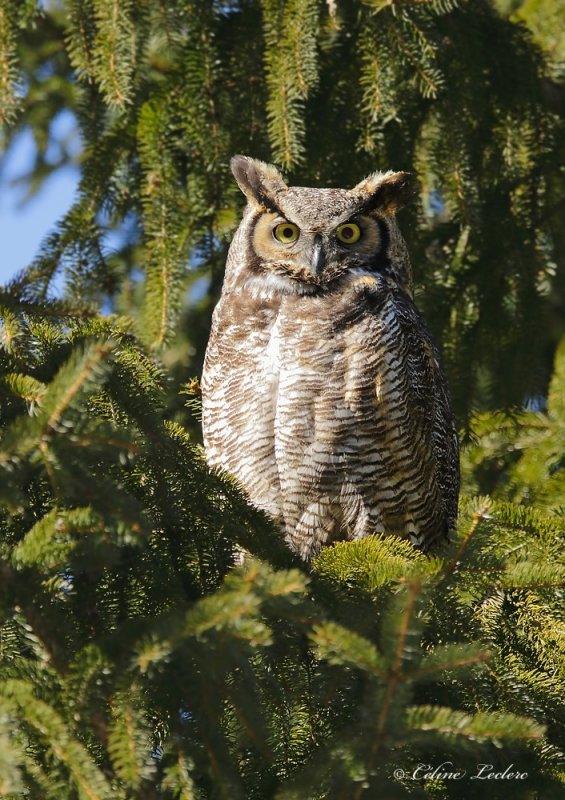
(322, 388)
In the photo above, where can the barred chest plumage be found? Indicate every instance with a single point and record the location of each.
(327, 400)
(317, 429)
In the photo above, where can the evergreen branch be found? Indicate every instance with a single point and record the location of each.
(27, 388)
(556, 393)
(49, 543)
(36, 618)
(209, 89)
(11, 330)
(525, 575)
(11, 299)
(165, 280)
(113, 53)
(446, 658)
(98, 354)
(202, 103)
(431, 80)
(517, 681)
(338, 645)
(163, 223)
(246, 702)
(414, 589)
(73, 378)
(241, 599)
(177, 778)
(226, 780)
(476, 520)
(80, 33)
(87, 777)
(373, 562)
(234, 610)
(480, 726)
(166, 24)
(290, 32)
(439, 6)
(8, 61)
(394, 677)
(129, 741)
(105, 441)
(11, 757)
(372, 93)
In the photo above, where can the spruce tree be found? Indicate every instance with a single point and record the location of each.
(135, 660)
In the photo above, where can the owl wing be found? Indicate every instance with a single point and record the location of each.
(428, 388)
(412, 418)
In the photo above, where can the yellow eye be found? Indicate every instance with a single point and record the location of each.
(286, 232)
(348, 233)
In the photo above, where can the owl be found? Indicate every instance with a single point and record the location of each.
(322, 388)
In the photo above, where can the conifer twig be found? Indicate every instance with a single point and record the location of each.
(477, 518)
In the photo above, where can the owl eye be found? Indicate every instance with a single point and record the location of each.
(348, 233)
(286, 232)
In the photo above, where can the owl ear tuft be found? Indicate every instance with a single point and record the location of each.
(258, 181)
(386, 191)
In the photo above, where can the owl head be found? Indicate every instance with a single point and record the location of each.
(300, 240)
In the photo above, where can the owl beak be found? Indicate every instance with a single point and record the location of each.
(318, 257)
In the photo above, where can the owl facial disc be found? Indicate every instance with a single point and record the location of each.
(302, 240)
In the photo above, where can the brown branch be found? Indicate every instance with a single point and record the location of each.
(477, 518)
(394, 677)
(36, 619)
(101, 352)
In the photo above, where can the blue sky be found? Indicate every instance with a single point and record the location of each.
(24, 223)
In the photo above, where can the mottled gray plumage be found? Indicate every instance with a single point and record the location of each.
(322, 388)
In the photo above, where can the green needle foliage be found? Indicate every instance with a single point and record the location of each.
(135, 661)
(519, 454)
(164, 93)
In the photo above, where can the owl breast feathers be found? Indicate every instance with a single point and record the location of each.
(323, 391)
